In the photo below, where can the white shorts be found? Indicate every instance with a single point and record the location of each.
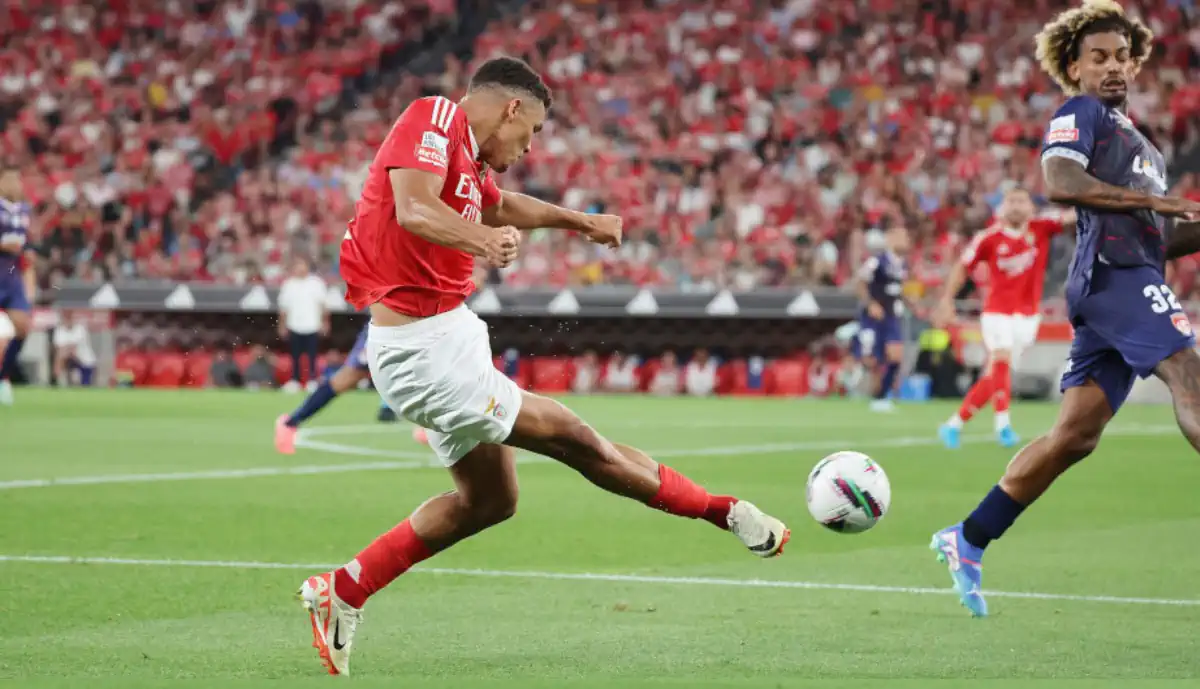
(1013, 332)
(438, 374)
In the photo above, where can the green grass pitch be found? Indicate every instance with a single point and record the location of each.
(198, 534)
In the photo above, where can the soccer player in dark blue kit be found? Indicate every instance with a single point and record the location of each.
(880, 288)
(1127, 321)
(16, 276)
(348, 377)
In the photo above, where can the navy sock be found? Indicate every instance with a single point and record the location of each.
(312, 404)
(8, 366)
(992, 518)
(887, 380)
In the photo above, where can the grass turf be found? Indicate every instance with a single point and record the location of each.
(699, 616)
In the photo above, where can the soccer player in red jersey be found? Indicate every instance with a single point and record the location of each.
(1015, 250)
(429, 207)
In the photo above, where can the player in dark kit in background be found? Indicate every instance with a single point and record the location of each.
(1127, 322)
(16, 277)
(353, 372)
(880, 288)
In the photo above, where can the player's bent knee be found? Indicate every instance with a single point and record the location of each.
(491, 509)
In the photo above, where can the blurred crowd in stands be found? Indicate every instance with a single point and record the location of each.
(756, 143)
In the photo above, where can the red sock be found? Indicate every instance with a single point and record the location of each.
(976, 397)
(389, 556)
(1002, 382)
(679, 495)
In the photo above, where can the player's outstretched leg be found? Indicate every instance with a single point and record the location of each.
(549, 428)
(346, 378)
(978, 396)
(1181, 373)
(485, 494)
(1084, 414)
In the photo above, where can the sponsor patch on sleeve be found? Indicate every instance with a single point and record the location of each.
(1062, 130)
(1062, 136)
(433, 149)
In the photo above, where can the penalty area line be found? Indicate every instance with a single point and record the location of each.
(600, 577)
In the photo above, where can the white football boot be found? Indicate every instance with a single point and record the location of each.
(6, 394)
(333, 622)
(763, 534)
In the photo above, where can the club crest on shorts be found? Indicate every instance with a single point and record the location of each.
(1181, 323)
(495, 409)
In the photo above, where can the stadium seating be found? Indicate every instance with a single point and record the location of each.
(745, 143)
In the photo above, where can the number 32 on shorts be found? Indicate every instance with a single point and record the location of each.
(1162, 299)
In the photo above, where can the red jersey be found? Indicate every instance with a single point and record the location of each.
(1016, 265)
(380, 260)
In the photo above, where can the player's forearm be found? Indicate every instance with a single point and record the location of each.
(438, 223)
(527, 213)
(1183, 240)
(1067, 182)
(954, 282)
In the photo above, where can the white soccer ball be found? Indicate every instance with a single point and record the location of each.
(848, 492)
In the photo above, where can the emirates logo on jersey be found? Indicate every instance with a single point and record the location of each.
(469, 190)
(1017, 263)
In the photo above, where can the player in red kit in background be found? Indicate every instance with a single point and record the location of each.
(430, 206)
(1015, 250)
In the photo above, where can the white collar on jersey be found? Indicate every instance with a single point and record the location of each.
(474, 143)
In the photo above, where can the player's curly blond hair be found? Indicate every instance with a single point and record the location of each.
(1058, 42)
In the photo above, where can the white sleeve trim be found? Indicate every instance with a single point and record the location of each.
(1063, 152)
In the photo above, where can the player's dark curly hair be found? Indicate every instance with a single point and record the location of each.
(512, 73)
(1058, 42)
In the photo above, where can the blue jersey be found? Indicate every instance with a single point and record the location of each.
(1108, 145)
(884, 274)
(14, 232)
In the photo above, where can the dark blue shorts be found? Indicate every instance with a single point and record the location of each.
(12, 294)
(358, 353)
(1126, 324)
(874, 336)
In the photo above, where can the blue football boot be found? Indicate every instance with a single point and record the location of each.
(1007, 437)
(966, 568)
(951, 436)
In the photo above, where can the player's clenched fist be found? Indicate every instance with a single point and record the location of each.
(605, 230)
(502, 246)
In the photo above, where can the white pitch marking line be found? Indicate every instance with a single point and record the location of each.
(419, 460)
(591, 576)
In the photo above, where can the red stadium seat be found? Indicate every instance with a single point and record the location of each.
(552, 374)
(132, 363)
(283, 369)
(734, 379)
(196, 369)
(787, 377)
(645, 374)
(166, 370)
